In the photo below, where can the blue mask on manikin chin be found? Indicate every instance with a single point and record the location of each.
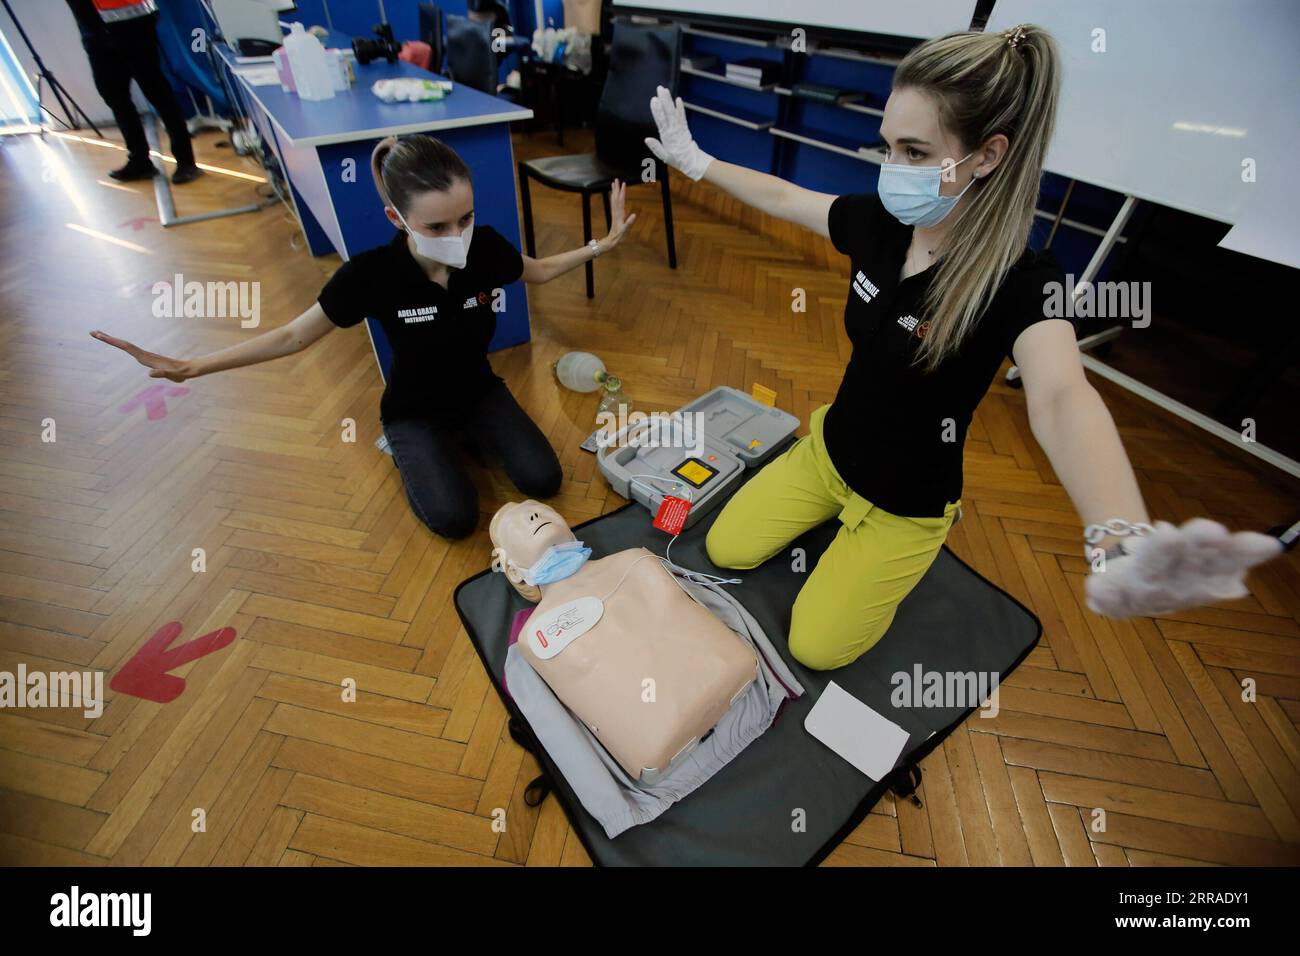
(557, 562)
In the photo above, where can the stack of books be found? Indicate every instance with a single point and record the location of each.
(825, 94)
(755, 73)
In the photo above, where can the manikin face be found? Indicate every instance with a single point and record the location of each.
(525, 530)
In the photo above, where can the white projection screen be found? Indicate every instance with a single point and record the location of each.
(1183, 93)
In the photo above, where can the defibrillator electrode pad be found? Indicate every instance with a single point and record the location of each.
(551, 632)
(705, 446)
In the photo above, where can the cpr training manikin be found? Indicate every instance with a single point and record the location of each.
(638, 662)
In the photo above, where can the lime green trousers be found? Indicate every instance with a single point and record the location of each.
(875, 560)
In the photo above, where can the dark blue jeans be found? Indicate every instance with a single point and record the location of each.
(428, 456)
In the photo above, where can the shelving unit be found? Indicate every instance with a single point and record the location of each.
(730, 38)
(840, 54)
(860, 108)
(860, 153)
(821, 144)
(723, 78)
(754, 123)
(845, 104)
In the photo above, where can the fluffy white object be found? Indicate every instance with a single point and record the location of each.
(409, 89)
(1178, 567)
(675, 146)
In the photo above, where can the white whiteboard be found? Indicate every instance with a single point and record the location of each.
(905, 18)
(1184, 92)
(1270, 226)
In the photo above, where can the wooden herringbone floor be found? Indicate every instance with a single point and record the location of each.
(315, 559)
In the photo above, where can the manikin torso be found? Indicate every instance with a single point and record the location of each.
(655, 673)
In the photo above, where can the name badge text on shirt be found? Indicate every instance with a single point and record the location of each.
(423, 314)
(864, 287)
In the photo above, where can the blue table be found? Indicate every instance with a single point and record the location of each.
(324, 148)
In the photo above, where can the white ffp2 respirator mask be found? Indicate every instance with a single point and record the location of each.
(449, 250)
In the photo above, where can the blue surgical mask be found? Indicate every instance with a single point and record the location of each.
(911, 193)
(557, 562)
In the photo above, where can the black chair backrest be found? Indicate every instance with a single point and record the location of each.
(500, 16)
(431, 33)
(470, 59)
(641, 58)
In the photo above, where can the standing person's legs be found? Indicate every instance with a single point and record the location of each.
(507, 431)
(137, 39)
(436, 482)
(112, 79)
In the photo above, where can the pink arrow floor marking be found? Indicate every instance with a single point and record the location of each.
(154, 399)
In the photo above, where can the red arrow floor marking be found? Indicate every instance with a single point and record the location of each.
(145, 675)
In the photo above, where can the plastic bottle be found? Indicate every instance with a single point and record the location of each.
(340, 62)
(580, 371)
(281, 60)
(615, 400)
(309, 64)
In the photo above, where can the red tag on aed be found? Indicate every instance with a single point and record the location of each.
(672, 514)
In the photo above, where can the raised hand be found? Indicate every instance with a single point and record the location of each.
(619, 221)
(675, 145)
(1178, 567)
(160, 366)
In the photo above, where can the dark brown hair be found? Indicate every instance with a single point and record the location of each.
(405, 166)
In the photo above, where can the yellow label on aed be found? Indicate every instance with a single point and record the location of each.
(694, 472)
(763, 394)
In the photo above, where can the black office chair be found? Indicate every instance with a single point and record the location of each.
(431, 33)
(491, 11)
(470, 59)
(641, 59)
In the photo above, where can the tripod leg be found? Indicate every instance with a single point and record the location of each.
(59, 91)
(42, 108)
(41, 72)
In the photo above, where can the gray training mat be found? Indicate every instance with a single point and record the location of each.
(953, 621)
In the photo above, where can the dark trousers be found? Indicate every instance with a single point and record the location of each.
(427, 453)
(129, 50)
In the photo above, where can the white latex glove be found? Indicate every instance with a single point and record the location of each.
(675, 145)
(1175, 568)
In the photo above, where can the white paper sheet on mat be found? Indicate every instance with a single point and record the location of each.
(863, 737)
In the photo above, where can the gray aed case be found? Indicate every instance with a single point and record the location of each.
(707, 453)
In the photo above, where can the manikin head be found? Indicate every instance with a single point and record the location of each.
(521, 531)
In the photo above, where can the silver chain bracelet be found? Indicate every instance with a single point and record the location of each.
(1094, 533)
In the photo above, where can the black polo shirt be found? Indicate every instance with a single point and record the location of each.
(439, 337)
(895, 432)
